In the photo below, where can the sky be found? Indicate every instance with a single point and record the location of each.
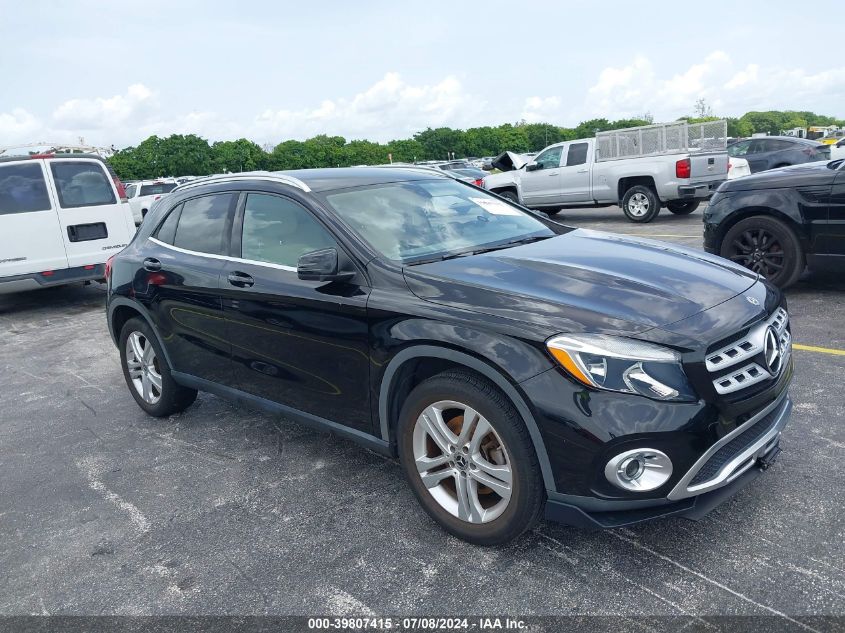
(114, 73)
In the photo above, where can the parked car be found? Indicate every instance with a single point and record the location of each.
(61, 217)
(777, 221)
(771, 152)
(571, 174)
(475, 176)
(838, 150)
(737, 168)
(516, 366)
(143, 194)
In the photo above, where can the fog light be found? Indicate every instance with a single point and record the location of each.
(641, 469)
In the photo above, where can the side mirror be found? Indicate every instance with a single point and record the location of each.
(322, 265)
(533, 166)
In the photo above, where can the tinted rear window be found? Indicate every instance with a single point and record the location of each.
(152, 190)
(577, 154)
(82, 184)
(22, 189)
(204, 224)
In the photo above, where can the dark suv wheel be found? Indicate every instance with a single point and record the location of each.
(469, 458)
(147, 374)
(766, 246)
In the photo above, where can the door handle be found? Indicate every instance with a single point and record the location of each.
(152, 265)
(240, 280)
(554, 173)
(583, 171)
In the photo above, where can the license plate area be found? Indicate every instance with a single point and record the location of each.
(87, 232)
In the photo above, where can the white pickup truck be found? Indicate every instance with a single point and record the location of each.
(640, 169)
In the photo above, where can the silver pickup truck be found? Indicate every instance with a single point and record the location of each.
(640, 169)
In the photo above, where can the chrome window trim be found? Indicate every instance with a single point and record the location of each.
(729, 471)
(226, 258)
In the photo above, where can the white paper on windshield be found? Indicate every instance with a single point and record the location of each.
(496, 207)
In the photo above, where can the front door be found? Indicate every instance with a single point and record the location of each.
(834, 243)
(540, 180)
(303, 344)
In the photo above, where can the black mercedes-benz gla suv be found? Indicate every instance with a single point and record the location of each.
(515, 365)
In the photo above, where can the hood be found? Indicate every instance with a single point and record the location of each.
(584, 281)
(510, 161)
(813, 173)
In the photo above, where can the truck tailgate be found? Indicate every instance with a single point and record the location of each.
(708, 166)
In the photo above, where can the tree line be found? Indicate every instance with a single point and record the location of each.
(191, 155)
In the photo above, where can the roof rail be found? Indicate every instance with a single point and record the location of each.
(247, 175)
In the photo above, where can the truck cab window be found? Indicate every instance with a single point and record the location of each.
(577, 154)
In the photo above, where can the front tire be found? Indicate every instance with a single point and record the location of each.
(766, 246)
(682, 207)
(469, 459)
(640, 204)
(508, 194)
(147, 374)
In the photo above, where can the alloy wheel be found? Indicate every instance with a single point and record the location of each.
(758, 250)
(143, 366)
(638, 205)
(462, 462)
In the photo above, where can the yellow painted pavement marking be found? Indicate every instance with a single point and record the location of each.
(820, 350)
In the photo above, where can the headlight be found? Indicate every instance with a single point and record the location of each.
(622, 364)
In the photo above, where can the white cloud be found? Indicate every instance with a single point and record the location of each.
(132, 107)
(540, 109)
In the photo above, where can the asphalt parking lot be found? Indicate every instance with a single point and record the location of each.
(223, 510)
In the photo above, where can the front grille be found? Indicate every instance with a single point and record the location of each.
(743, 362)
(733, 448)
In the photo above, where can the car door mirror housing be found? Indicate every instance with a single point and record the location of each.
(533, 166)
(323, 265)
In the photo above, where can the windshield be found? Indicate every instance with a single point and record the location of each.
(158, 188)
(422, 220)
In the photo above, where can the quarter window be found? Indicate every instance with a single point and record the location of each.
(22, 189)
(204, 224)
(81, 184)
(279, 231)
(577, 154)
(167, 231)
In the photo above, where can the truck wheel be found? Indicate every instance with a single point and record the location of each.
(640, 204)
(766, 246)
(682, 207)
(469, 458)
(508, 194)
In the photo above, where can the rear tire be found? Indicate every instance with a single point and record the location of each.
(640, 204)
(682, 207)
(496, 448)
(767, 246)
(147, 374)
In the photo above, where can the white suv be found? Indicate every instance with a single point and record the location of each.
(61, 218)
(143, 194)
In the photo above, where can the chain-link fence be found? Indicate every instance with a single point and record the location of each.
(663, 138)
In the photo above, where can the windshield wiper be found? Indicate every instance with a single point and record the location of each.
(483, 249)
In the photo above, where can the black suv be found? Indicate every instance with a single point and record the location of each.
(776, 222)
(515, 365)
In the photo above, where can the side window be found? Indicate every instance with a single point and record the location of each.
(167, 231)
(577, 154)
(739, 149)
(278, 231)
(22, 189)
(82, 184)
(757, 147)
(130, 191)
(204, 224)
(550, 158)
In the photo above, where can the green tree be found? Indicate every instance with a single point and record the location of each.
(240, 155)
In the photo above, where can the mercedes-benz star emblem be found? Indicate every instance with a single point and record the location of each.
(771, 351)
(752, 300)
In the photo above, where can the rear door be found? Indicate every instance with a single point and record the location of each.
(94, 222)
(179, 283)
(30, 231)
(541, 185)
(575, 173)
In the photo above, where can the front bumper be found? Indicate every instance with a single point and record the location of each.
(724, 469)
